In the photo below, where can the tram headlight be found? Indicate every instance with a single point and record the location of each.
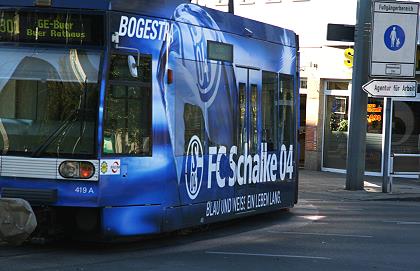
(76, 170)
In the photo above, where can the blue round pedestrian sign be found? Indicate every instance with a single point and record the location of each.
(394, 37)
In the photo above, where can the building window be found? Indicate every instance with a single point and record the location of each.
(304, 83)
(338, 85)
(222, 2)
(247, 2)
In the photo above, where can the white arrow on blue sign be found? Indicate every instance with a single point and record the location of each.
(394, 88)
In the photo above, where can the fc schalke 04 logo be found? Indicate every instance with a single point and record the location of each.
(208, 75)
(194, 167)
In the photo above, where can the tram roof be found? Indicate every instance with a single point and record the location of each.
(226, 21)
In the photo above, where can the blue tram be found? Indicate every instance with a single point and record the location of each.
(123, 119)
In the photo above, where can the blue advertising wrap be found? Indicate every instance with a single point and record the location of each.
(212, 157)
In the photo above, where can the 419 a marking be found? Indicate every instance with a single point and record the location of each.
(84, 190)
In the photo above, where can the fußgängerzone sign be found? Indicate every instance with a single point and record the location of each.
(391, 88)
(394, 39)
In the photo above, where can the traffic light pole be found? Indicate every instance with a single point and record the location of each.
(356, 147)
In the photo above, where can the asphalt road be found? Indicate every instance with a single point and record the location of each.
(318, 234)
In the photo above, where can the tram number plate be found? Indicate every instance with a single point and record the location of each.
(84, 190)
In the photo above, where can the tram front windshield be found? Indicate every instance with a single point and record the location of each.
(48, 102)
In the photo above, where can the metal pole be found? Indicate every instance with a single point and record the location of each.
(231, 9)
(356, 147)
(386, 180)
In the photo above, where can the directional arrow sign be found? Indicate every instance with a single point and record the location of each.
(394, 88)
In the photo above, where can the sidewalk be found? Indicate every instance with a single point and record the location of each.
(324, 185)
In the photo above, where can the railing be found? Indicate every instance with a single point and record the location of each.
(401, 173)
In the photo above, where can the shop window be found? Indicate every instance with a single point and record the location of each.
(374, 116)
(336, 132)
(375, 109)
(405, 137)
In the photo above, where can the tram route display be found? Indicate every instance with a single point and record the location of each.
(41, 27)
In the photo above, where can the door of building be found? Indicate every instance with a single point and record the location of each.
(336, 124)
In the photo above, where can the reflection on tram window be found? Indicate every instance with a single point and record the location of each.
(286, 110)
(127, 123)
(242, 115)
(254, 118)
(194, 124)
(270, 100)
(128, 109)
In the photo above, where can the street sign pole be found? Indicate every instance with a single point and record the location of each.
(356, 146)
(393, 57)
(386, 187)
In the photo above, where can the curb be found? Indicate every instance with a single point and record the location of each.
(403, 198)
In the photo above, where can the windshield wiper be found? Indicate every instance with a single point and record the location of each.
(83, 120)
(57, 132)
(78, 113)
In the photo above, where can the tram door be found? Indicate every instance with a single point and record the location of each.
(248, 124)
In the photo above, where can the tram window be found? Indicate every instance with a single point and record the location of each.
(254, 118)
(119, 69)
(269, 114)
(286, 120)
(128, 109)
(194, 124)
(242, 116)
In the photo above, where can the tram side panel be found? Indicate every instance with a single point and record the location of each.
(192, 176)
(202, 105)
